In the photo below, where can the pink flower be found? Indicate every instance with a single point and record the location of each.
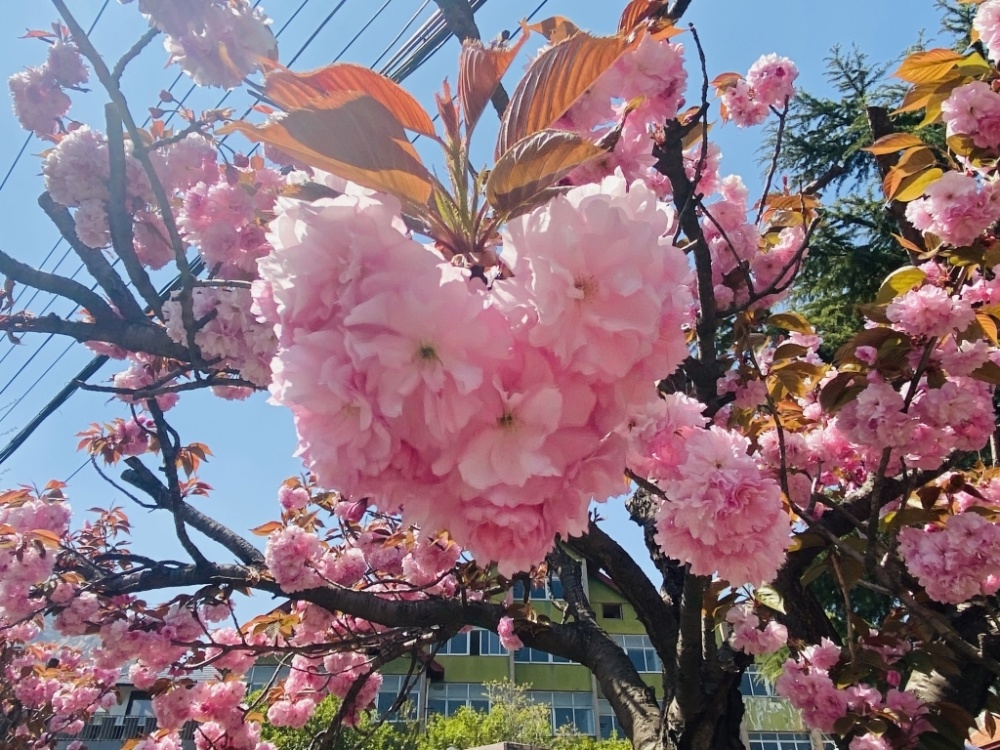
(956, 208)
(290, 553)
(722, 514)
(292, 714)
(505, 629)
(954, 564)
(930, 311)
(772, 79)
(987, 23)
(742, 106)
(216, 43)
(65, 64)
(974, 110)
(868, 742)
(231, 335)
(39, 102)
(749, 637)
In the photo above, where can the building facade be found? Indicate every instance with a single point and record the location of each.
(466, 663)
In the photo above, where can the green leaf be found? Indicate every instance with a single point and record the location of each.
(535, 164)
(770, 598)
(899, 282)
(790, 321)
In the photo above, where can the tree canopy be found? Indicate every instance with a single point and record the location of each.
(474, 357)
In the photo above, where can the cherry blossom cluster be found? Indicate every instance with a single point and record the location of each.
(973, 110)
(749, 637)
(38, 93)
(225, 215)
(769, 84)
(313, 679)
(743, 261)
(216, 42)
(807, 684)
(957, 561)
(987, 24)
(66, 693)
(721, 513)
(28, 526)
(454, 402)
(228, 334)
(956, 207)
(651, 79)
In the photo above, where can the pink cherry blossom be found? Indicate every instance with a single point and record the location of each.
(974, 110)
(987, 24)
(505, 629)
(956, 207)
(953, 564)
(721, 513)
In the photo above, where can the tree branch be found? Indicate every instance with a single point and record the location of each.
(139, 476)
(119, 218)
(656, 616)
(97, 265)
(125, 334)
(58, 285)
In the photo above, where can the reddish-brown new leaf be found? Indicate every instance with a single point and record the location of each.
(353, 136)
(534, 164)
(555, 80)
(480, 70)
(638, 11)
(554, 29)
(317, 89)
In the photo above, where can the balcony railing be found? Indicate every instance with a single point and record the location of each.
(103, 728)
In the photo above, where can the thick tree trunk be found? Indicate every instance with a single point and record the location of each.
(716, 727)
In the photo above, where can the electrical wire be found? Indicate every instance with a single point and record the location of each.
(55, 298)
(420, 53)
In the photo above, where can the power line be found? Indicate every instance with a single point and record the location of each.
(55, 298)
(98, 362)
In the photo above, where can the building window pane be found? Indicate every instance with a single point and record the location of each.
(388, 694)
(573, 709)
(489, 644)
(456, 645)
(783, 741)
(612, 612)
(753, 684)
(640, 652)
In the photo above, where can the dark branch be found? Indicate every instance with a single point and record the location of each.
(139, 476)
(58, 285)
(97, 265)
(119, 218)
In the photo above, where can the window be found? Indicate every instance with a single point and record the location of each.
(753, 684)
(489, 644)
(446, 699)
(388, 692)
(139, 704)
(568, 709)
(640, 651)
(553, 589)
(534, 656)
(612, 612)
(608, 723)
(259, 676)
(457, 645)
(783, 741)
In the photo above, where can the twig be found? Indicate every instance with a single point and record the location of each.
(782, 116)
(133, 52)
(97, 265)
(119, 218)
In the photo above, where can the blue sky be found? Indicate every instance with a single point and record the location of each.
(254, 443)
